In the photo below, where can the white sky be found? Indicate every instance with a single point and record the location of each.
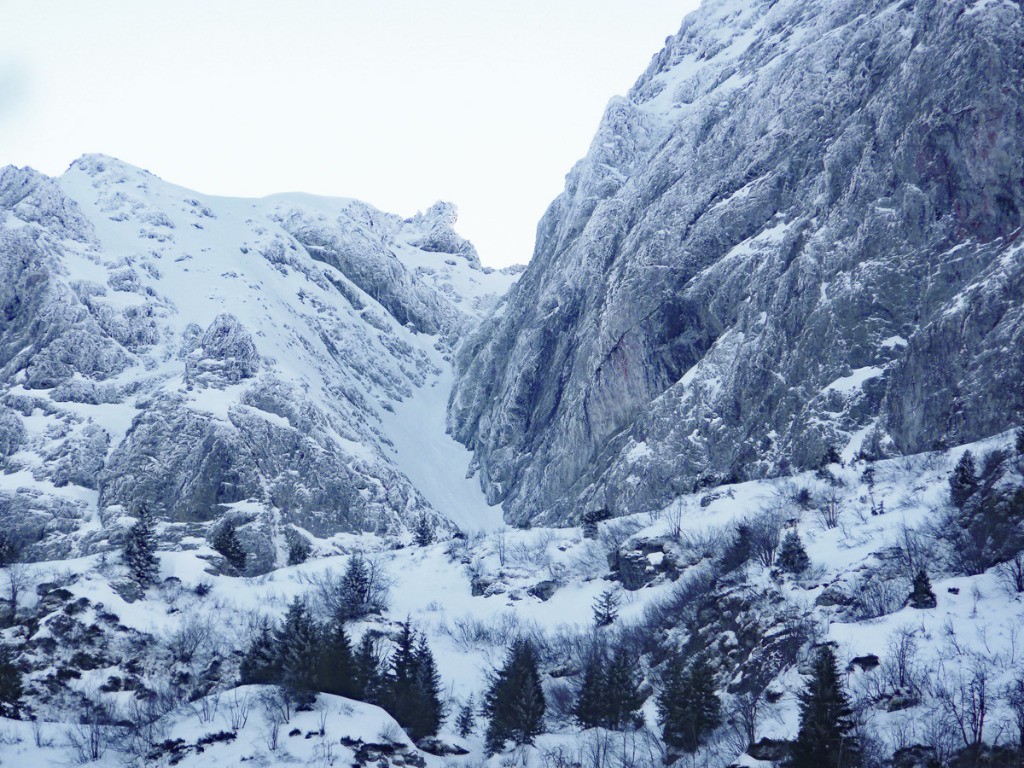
(486, 103)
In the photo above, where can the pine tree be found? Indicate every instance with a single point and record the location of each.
(589, 709)
(369, 684)
(413, 686)
(355, 589)
(739, 550)
(11, 688)
(515, 700)
(299, 551)
(823, 740)
(688, 706)
(922, 595)
(140, 550)
(792, 555)
(431, 711)
(1019, 443)
(423, 533)
(623, 699)
(465, 723)
(337, 673)
(606, 608)
(261, 663)
(964, 480)
(225, 541)
(299, 643)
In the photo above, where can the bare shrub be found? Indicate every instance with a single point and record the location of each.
(194, 637)
(765, 536)
(963, 692)
(237, 706)
(94, 732)
(1011, 574)
(828, 504)
(469, 632)
(614, 533)
(900, 669)
(880, 597)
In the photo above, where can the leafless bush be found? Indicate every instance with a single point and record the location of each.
(144, 725)
(880, 597)
(469, 632)
(94, 732)
(276, 705)
(680, 607)
(1011, 574)
(675, 520)
(765, 536)
(560, 698)
(915, 551)
(828, 505)
(704, 544)
(237, 706)
(205, 708)
(963, 692)
(195, 637)
(900, 668)
(614, 533)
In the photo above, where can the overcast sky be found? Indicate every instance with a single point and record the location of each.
(486, 103)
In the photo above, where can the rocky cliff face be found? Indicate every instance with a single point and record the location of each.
(212, 358)
(800, 231)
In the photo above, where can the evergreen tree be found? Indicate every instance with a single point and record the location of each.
(465, 723)
(431, 710)
(261, 663)
(355, 589)
(623, 699)
(299, 551)
(606, 608)
(11, 688)
(792, 555)
(589, 709)
(688, 707)
(140, 550)
(515, 700)
(299, 643)
(338, 673)
(423, 533)
(823, 740)
(922, 595)
(367, 671)
(225, 541)
(1019, 444)
(413, 686)
(739, 550)
(964, 480)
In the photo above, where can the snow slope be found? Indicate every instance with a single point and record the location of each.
(214, 357)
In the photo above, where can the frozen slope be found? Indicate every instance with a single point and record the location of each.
(218, 358)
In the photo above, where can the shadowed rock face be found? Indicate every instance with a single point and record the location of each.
(799, 231)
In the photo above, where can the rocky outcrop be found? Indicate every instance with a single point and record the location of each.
(215, 359)
(798, 233)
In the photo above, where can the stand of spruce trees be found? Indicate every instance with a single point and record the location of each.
(306, 658)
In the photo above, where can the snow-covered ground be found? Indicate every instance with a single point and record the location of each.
(976, 622)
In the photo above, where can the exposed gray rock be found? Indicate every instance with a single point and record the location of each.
(226, 354)
(156, 364)
(798, 232)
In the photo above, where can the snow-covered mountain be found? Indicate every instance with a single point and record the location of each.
(278, 363)
(798, 233)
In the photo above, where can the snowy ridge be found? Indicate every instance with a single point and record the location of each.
(212, 356)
